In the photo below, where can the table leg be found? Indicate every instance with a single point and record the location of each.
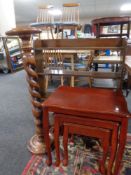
(65, 144)
(105, 146)
(122, 142)
(56, 140)
(114, 141)
(46, 136)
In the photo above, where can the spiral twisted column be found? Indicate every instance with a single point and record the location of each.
(36, 144)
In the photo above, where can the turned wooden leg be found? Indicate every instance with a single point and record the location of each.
(72, 81)
(89, 82)
(62, 80)
(46, 82)
(122, 142)
(46, 136)
(65, 145)
(76, 32)
(114, 141)
(56, 140)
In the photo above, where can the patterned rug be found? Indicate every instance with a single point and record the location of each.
(83, 159)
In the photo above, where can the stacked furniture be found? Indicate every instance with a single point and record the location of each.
(69, 20)
(79, 107)
(84, 104)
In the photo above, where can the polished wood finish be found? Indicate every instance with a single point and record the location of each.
(24, 34)
(107, 21)
(36, 143)
(102, 134)
(60, 119)
(113, 107)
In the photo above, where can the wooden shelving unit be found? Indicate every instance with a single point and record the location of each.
(10, 54)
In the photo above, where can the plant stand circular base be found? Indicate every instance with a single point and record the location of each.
(35, 146)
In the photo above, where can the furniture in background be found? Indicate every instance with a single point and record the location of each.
(113, 108)
(10, 54)
(45, 21)
(116, 26)
(70, 19)
(61, 61)
(35, 144)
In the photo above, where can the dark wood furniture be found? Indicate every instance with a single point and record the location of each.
(109, 21)
(24, 34)
(102, 134)
(36, 144)
(85, 103)
(60, 119)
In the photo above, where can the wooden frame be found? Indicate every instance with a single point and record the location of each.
(79, 44)
(109, 21)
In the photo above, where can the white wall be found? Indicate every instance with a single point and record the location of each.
(7, 16)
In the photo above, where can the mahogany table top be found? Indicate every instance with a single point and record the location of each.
(89, 100)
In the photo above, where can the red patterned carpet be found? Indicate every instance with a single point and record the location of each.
(82, 161)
